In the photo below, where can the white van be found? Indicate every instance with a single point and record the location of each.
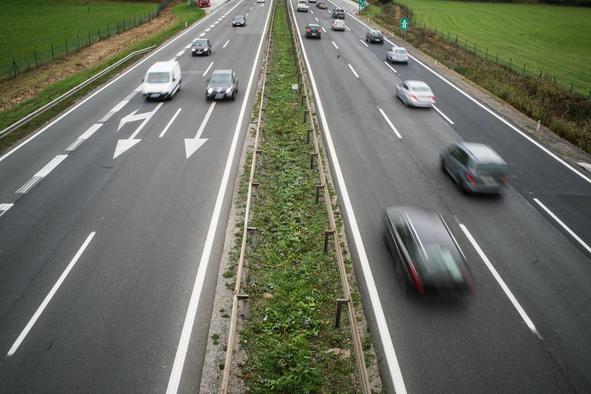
(162, 80)
(302, 6)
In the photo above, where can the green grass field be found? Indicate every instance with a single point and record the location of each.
(33, 25)
(553, 39)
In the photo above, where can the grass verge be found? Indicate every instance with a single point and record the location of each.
(566, 114)
(183, 14)
(290, 342)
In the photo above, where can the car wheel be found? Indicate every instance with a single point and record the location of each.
(233, 96)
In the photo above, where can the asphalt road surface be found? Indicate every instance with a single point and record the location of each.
(111, 225)
(526, 328)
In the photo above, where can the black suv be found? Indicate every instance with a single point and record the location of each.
(374, 36)
(338, 13)
(239, 21)
(201, 46)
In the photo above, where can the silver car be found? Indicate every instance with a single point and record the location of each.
(397, 55)
(338, 24)
(415, 93)
(475, 167)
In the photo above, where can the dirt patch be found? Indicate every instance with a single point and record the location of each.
(26, 86)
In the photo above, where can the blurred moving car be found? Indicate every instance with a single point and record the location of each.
(313, 30)
(260, 1)
(430, 258)
(302, 6)
(201, 46)
(162, 80)
(397, 55)
(415, 93)
(338, 25)
(475, 167)
(239, 21)
(222, 84)
(321, 4)
(338, 13)
(374, 36)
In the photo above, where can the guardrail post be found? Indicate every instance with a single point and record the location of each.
(14, 67)
(251, 233)
(318, 188)
(243, 306)
(538, 125)
(327, 234)
(52, 53)
(303, 97)
(255, 188)
(305, 116)
(309, 136)
(337, 321)
(313, 155)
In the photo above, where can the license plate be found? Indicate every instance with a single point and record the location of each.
(219, 96)
(489, 180)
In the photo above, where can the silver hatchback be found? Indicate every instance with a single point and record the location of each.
(415, 93)
(475, 167)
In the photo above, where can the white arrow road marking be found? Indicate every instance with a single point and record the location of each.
(42, 173)
(390, 123)
(49, 296)
(83, 137)
(353, 70)
(443, 115)
(169, 123)
(390, 67)
(226, 44)
(4, 208)
(124, 145)
(211, 64)
(192, 144)
(335, 45)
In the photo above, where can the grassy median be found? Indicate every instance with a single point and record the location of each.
(290, 340)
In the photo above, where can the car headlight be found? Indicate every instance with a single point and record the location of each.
(209, 90)
(229, 90)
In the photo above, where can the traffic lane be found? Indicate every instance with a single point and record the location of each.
(22, 164)
(359, 147)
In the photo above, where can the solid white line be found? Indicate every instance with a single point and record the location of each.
(212, 26)
(500, 281)
(323, 29)
(390, 67)
(169, 123)
(4, 208)
(390, 123)
(210, 64)
(335, 45)
(72, 109)
(364, 43)
(442, 114)
(498, 117)
(564, 226)
(226, 44)
(49, 296)
(353, 70)
(378, 311)
(181, 353)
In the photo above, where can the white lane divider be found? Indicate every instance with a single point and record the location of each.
(83, 137)
(201, 35)
(188, 46)
(316, 18)
(226, 44)
(563, 225)
(180, 53)
(212, 26)
(390, 67)
(114, 110)
(443, 115)
(4, 208)
(208, 29)
(207, 70)
(183, 345)
(335, 45)
(170, 123)
(392, 364)
(501, 282)
(353, 70)
(312, 12)
(364, 43)
(390, 123)
(139, 88)
(42, 173)
(348, 28)
(323, 29)
(49, 296)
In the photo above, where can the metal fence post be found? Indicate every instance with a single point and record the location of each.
(486, 55)
(66, 44)
(89, 37)
(78, 41)
(497, 58)
(340, 302)
(14, 67)
(523, 73)
(510, 61)
(36, 63)
(52, 53)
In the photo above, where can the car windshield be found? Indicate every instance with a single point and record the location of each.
(376, 33)
(400, 51)
(158, 77)
(238, 18)
(200, 43)
(441, 260)
(221, 79)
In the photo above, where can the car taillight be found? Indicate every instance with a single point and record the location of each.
(413, 97)
(308, 30)
(505, 180)
(470, 178)
(433, 98)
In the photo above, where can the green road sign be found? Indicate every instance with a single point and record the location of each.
(404, 23)
(362, 4)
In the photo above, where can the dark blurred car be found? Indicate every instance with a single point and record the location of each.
(313, 31)
(221, 85)
(475, 167)
(201, 46)
(338, 13)
(430, 257)
(239, 21)
(374, 36)
(321, 4)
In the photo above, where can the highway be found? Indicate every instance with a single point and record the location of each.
(526, 328)
(112, 220)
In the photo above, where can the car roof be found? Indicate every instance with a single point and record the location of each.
(413, 84)
(220, 71)
(200, 39)
(482, 153)
(162, 66)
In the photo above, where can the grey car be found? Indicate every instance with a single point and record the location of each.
(221, 85)
(415, 93)
(374, 36)
(475, 167)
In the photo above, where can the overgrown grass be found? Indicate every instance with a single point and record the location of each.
(290, 340)
(565, 113)
(30, 28)
(548, 38)
(183, 14)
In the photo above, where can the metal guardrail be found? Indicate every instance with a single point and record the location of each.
(70, 92)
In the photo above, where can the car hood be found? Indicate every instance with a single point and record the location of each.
(219, 86)
(148, 87)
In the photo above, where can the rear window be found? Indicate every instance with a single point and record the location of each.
(442, 260)
(420, 88)
(158, 77)
(489, 168)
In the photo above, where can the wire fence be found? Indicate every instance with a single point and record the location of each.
(11, 66)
